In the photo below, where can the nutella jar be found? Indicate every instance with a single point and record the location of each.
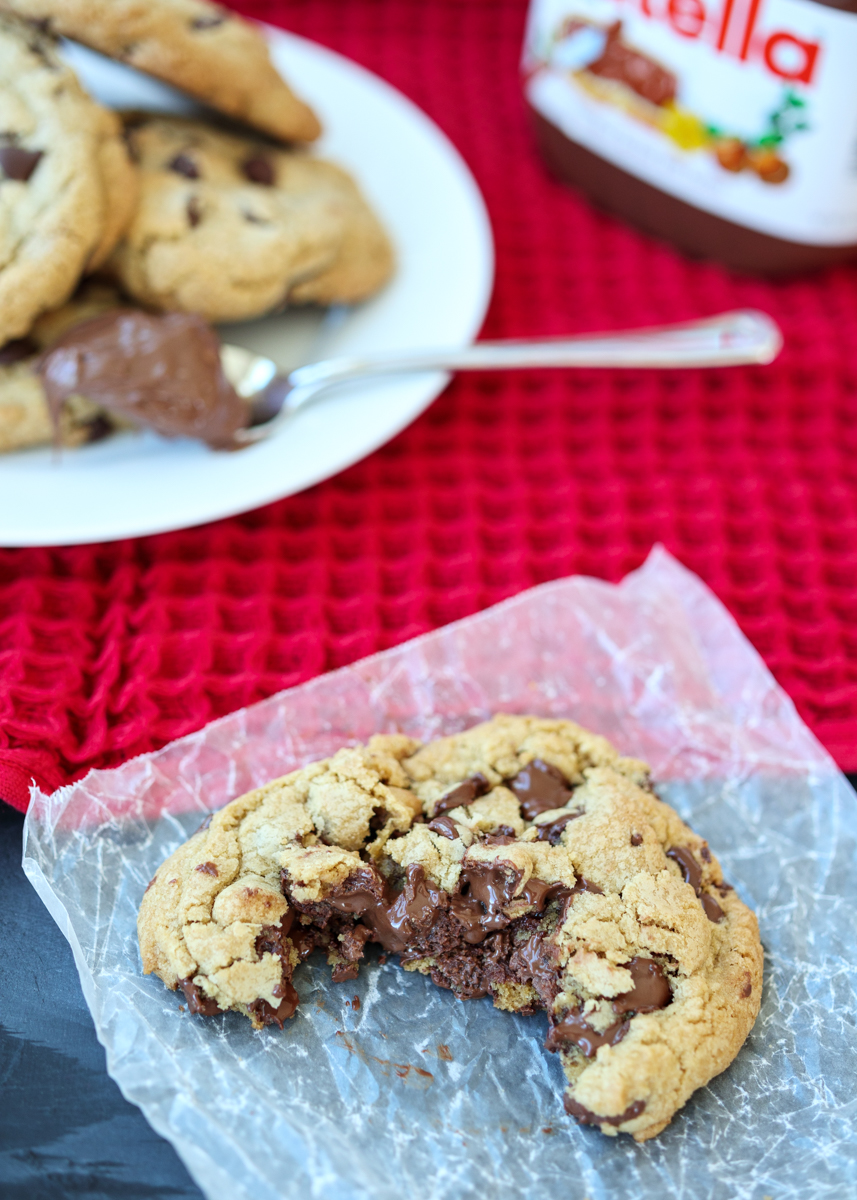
(728, 127)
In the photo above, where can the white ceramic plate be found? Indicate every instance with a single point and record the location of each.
(136, 484)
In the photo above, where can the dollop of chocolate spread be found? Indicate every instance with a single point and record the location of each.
(692, 872)
(539, 786)
(162, 372)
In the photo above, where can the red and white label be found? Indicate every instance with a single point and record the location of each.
(743, 108)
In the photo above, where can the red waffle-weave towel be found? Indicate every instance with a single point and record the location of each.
(749, 476)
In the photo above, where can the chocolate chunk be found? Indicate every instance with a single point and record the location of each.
(279, 1015)
(551, 831)
(584, 1117)
(463, 793)
(379, 819)
(17, 350)
(18, 163)
(207, 868)
(690, 868)
(651, 989)
(539, 787)
(711, 908)
(270, 938)
(445, 826)
(98, 429)
(539, 894)
(197, 1001)
(344, 972)
(636, 839)
(585, 885)
(576, 1030)
(194, 212)
(258, 170)
(503, 835)
(183, 164)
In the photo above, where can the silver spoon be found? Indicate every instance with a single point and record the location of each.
(730, 339)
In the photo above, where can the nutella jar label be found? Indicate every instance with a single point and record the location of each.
(744, 108)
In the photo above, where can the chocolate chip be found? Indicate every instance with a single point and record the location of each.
(444, 826)
(651, 990)
(711, 908)
(16, 350)
(258, 170)
(551, 831)
(705, 853)
(207, 868)
(379, 819)
(197, 1001)
(99, 428)
(18, 163)
(464, 793)
(539, 787)
(747, 989)
(206, 22)
(183, 164)
(690, 868)
(576, 1030)
(636, 839)
(194, 212)
(585, 1117)
(279, 1015)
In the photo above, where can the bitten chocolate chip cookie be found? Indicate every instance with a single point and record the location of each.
(199, 47)
(230, 227)
(67, 187)
(524, 860)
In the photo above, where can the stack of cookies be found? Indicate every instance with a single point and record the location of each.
(227, 217)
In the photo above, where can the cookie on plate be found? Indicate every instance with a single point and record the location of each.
(199, 47)
(230, 227)
(67, 186)
(523, 860)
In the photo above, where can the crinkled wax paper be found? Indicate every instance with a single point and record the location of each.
(390, 1087)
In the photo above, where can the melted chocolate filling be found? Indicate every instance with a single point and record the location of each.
(539, 787)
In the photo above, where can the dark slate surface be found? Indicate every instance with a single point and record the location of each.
(65, 1130)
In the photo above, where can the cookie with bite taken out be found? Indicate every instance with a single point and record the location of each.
(524, 860)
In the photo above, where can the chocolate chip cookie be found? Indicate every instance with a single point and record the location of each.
(524, 860)
(231, 227)
(67, 186)
(199, 47)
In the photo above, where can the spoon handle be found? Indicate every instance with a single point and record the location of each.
(730, 339)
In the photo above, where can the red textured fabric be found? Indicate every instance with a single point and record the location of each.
(749, 476)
